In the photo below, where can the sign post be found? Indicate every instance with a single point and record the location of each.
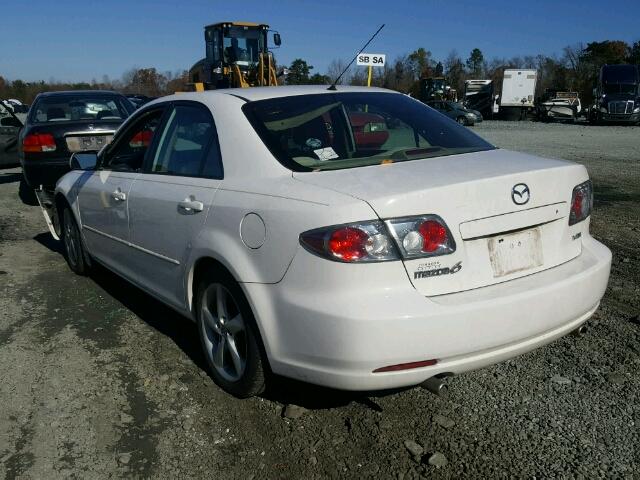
(371, 60)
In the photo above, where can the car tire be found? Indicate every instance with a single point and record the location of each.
(74, 251)
(461, 120)
(229, 336)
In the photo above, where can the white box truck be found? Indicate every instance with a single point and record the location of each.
(518, 92)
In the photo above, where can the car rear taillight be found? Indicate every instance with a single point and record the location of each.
(39, 142)
(424, 236)
(412, 237)
(356, 242)
(581, 202)
(141, 139)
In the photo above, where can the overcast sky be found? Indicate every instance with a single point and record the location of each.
(76, 40)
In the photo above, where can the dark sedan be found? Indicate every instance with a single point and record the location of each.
(61, 123)
(457, 112)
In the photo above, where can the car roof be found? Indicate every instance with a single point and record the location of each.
(264, 93)
(79, 92)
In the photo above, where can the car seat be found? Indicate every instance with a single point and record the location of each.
(55, 113)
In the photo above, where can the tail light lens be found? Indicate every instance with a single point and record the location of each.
(354, 243)
(141, 139)
(424, 236)
(412, 237)
(581, 202)
(39, 142)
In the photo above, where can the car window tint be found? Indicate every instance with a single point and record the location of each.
(186, 146)
(129, 151)
(75, 107)
(346, 130)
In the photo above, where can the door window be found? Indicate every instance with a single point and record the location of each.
(188, 145)
(129, 151)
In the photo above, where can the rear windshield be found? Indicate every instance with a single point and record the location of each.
(347, 130)
(73, 108)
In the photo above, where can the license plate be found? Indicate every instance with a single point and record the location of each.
(87, 142)
(515, 252)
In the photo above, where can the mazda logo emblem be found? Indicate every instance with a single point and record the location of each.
(520, 193)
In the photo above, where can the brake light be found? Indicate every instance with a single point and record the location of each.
(141, 139)
(39, 142)
(423, 236)
(348, 243)
(357, 242)
(581, 202)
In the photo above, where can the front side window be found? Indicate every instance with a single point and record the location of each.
(188, 144)
(80, 107)
(128, 152)
(347, 130)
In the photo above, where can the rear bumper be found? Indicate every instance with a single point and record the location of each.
(337, 336)
(45, 172)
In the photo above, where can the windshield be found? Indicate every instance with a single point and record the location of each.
(347, 130)
(242, 45)
(619, 88)
(75, 107)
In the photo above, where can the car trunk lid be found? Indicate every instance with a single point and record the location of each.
(497, 239)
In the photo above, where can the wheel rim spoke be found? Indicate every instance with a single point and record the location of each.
(221, 308)
(209, 320)
(238, 364)
(218, 355)
(235, 325)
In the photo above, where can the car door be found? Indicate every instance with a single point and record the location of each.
(170, 199)
(103, 193)
(9, 129)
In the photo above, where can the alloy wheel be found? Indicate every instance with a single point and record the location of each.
(71, 239)
(224, 329)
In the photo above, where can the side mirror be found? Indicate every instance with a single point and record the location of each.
(10, 122)
(276, 39)
(83, 161)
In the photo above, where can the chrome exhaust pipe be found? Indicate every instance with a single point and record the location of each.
(436, 386)
(581, 330)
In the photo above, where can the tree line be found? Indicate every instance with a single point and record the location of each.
(575, 69)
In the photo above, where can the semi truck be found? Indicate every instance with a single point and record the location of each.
(518, 92)
(617, 95)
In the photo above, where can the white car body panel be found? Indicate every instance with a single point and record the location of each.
(333, 323)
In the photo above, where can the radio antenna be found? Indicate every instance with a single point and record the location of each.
(333, 85)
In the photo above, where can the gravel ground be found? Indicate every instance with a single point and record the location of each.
(101, 381)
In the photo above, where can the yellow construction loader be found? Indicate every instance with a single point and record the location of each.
(237, 55)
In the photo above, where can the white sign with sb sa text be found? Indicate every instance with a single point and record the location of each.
(371, 59)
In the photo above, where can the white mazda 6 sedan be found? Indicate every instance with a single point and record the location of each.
(353, 238)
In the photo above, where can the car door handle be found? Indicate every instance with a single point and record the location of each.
(119, 195)
(191, 205)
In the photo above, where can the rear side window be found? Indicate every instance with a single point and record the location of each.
(188, 144)
(129, 152)
(75, 107)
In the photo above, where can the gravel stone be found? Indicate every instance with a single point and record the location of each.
(293, 411)
(443, 421)
(438, 460)
(560, 380)
(414, 448)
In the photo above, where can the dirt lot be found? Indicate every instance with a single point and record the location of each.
(99, 380)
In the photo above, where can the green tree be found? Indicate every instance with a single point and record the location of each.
(634, 53)
(299, 72)
(475, 61)
(421, 63)
(319, 79)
